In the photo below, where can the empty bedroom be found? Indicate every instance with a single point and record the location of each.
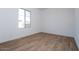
(39, 29)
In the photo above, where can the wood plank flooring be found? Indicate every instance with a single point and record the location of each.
(40, 42)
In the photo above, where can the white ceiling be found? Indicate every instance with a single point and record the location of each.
(42, 8)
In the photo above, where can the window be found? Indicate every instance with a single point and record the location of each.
(23, 18)
(27, 17)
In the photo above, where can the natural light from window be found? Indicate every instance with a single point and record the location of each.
(23, 18)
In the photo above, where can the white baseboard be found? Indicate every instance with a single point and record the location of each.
(14, 38)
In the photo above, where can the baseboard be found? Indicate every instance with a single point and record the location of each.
(57, 34)
(19, 37)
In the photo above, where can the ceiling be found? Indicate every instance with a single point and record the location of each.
(42, 8)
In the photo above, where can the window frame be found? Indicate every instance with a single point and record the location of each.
(26, 25)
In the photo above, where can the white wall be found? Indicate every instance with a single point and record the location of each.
(77, 26)
(9, 26)
(58, 21)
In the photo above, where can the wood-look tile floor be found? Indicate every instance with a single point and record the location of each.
(40, 42)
